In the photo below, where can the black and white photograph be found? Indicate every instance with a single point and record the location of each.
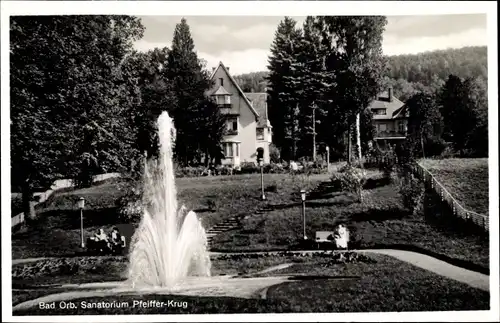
(299, 158)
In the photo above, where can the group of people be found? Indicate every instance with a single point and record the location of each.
(113, 241)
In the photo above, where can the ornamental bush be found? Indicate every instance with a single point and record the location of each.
(350, 179)
(412, 191)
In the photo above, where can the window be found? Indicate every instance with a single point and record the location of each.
(382, 127)
(380, 112)
(260, 134)
(223, 99)
(401, 127)
(221, 81)
(237, 150)
(228, 149)
(232, 124)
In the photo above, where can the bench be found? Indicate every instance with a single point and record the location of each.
(325, 238)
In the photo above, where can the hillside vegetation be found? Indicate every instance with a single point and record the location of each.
(408, 74)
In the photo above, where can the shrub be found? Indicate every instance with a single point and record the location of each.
(434, 147)
(224, 170)
(449, 152)
(336, 180)
(350, 179)
(388, 163)
(274, 153)
(412, 191)
(248, 168)
(275, 168)
(130, 204)
(190, 171)
(272, 188)
(212, 204)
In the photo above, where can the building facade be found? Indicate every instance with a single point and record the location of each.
(248, 127)
(390, 119)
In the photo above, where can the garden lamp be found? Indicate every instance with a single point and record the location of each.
(81, 206)
(328, 158)
(81, 203)
(303, 195)
(263, 194)
(303, 198)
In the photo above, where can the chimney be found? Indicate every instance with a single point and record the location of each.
(227, 68)
(213, 69)
(389, 94)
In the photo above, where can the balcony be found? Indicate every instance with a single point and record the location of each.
(390, 134)
(227, 109)
(231, 132)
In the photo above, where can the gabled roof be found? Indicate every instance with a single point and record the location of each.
(259, 101)
(236, 85)
(382, 102)
(401, 112)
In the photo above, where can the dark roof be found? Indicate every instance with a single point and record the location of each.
(382, 102)
(401, 112)
(259, 103)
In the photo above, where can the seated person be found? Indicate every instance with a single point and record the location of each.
(101, 235)
(115, 236)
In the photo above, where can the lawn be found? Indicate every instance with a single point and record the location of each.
(321, 285)
(380, 220)
(56, 231)
(465, 178)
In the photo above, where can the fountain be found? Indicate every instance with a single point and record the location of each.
(170, 243)
(169, 249)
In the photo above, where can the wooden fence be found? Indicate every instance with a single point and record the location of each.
(458, 210)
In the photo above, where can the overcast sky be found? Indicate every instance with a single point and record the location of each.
(242, 43)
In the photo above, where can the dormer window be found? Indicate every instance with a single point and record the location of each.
(381, 112)
(223, 99)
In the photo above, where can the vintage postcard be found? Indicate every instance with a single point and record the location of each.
(275, 161)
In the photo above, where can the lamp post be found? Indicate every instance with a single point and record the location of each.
(303, 198)
(328, 158)
(263, 194)
(81, 206)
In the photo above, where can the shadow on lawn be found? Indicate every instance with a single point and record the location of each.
(439, 214)
(372, 183)
(379, 215)
(343, 201)
(329, 189)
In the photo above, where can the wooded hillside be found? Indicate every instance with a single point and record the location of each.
(408, 74)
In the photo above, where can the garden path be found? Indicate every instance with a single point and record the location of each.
(440, 267)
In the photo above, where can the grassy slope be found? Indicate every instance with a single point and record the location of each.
(466, 179)
(57, 229)
(381, 286)
(379, 220)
